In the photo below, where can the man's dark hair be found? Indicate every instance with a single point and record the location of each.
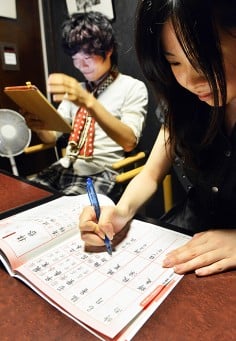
(91, 33)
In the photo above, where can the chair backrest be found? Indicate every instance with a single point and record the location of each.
(130, 167)
(127, 169)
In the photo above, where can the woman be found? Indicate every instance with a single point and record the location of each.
(187, 52)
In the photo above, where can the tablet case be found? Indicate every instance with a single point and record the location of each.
(29, 98)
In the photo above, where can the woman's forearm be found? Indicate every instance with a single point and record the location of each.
(136, 195)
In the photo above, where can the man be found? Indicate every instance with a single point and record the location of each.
(107, 111)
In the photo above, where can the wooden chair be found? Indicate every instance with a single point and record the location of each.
(45, 155)
(135, 164)
(41, 147)
(129, 167)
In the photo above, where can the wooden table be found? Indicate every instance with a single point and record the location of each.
(16, 192)
(197, 309)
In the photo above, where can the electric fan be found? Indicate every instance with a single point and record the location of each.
(15, 136)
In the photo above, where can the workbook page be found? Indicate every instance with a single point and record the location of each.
(102, 291)
(30, 232)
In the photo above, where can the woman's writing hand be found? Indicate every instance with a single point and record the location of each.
(111, 222)
(206, 253)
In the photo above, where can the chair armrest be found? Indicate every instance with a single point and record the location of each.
(38, 147)
(126, 176)
(128, 160)
(167, 193)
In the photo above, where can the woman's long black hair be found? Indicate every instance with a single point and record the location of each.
(193, 124)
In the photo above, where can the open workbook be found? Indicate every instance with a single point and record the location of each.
(111, 296)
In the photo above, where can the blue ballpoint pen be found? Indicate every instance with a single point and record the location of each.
(95, 203)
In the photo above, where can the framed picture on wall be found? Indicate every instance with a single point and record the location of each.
(8, 9)
(103, 6)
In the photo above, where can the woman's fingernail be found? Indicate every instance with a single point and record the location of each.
(110, 235)
(166, 262)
